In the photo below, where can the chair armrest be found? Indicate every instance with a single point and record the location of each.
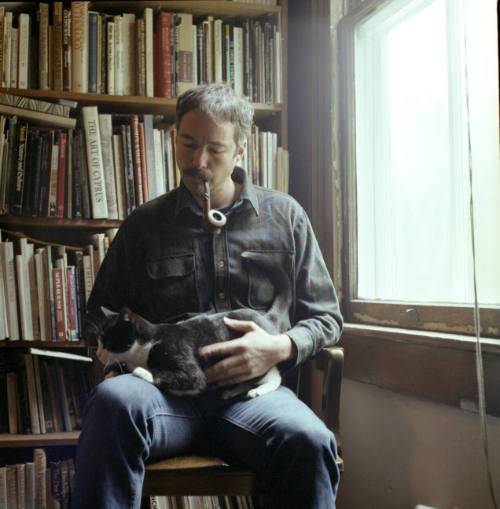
(331, 362)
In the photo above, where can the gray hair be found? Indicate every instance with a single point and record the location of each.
(218, 102)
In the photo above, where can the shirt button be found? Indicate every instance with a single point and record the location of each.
(221, 264)
(222, 295)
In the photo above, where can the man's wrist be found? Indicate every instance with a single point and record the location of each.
(288, 350)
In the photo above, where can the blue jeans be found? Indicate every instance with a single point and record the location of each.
(129, 422)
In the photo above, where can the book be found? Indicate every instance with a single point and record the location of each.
(57, 45)
(24, 45)
(59, 304)
(62, 173)
(9, 279)
(184, 52)
(79, 46)
(110, 57)
(129, 53)
(163, 65)
(106, 133)
(32, 394)
(119, 175)
(93, 21)
(94, 160)
(118, 54)
(42, 118)
(148, 45)
(66, 49)
(40, 461)
(18, 184)
(137, 160)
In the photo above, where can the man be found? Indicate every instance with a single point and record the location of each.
(162, 264)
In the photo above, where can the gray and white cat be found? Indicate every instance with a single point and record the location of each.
(167, 355)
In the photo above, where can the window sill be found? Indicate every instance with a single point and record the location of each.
(436, 339)
(436, 366)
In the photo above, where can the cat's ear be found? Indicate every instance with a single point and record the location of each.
(126, 314)
(107, 312)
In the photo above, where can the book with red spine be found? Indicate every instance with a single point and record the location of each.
(61, 180)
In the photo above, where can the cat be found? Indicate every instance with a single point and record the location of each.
(167, 355)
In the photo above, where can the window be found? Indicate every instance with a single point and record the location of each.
(421, 95)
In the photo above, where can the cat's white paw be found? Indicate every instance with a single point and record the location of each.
(143, 373)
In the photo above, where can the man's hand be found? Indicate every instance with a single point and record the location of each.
(247, 357)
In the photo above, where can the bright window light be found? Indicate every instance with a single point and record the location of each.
(418, 63)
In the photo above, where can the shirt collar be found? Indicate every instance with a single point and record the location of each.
(248, 193)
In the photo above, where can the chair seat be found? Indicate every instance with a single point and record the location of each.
(203, 475)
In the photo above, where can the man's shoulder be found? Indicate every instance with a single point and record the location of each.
(159, 208)
(274, 199)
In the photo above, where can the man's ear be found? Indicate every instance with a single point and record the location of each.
(241, 151)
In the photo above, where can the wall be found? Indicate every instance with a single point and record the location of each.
(400, 451)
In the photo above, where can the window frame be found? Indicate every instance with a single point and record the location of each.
(448, 318)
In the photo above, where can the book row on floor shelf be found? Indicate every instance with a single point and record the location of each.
(38, 482)
(76, 47)
(106, 168)
(205, 502)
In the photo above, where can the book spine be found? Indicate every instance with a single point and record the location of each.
(148, 44)
(24, 44)
(144, 170)
(57, 42)
(43, 45)
(7, 48)
(119, 175)
(72, 306)
(40, 461)
(92, 72)
(111, 57)
(62, 173)
(129, 54)
(106, 132)
(54, 166)
(94, 161)
(59, 309)
(17, 203)
(136, 151)
(79, 46)
(164, 60)
(140, 57)
(66, 48)
(118, 22)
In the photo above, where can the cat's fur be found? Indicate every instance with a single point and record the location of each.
(167, 355)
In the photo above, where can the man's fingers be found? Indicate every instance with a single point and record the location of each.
(224, 348)
(227, 369)
(240, 325)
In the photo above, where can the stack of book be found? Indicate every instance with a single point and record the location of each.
(39, 483)
(74, 49)
(43, 391)
(205, 502)
(44, 288)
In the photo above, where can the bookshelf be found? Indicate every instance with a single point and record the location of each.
(271, 116)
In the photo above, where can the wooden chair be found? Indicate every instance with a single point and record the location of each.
(201, 475)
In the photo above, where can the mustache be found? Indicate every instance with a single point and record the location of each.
(197, 173)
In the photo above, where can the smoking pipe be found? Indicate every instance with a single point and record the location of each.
(213, 220)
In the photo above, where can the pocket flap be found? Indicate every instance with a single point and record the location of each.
(171, 266)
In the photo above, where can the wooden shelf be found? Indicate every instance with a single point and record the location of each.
(43, 344)
(40, 440)
(132, 103)
(199, 8)
(55, 222)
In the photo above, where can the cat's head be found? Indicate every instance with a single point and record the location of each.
(119, 330)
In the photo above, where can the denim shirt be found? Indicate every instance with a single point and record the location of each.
(163, 266)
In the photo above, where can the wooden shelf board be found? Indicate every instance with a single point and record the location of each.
(41, 440)
(199, 8)
(117, 103)
(43, 344)
(54, 222)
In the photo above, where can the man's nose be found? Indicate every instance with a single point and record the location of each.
(200, 158)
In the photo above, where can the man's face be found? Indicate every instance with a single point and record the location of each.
(205, 149)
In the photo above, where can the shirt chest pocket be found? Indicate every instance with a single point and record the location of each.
(172, 285)
(269, 276)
